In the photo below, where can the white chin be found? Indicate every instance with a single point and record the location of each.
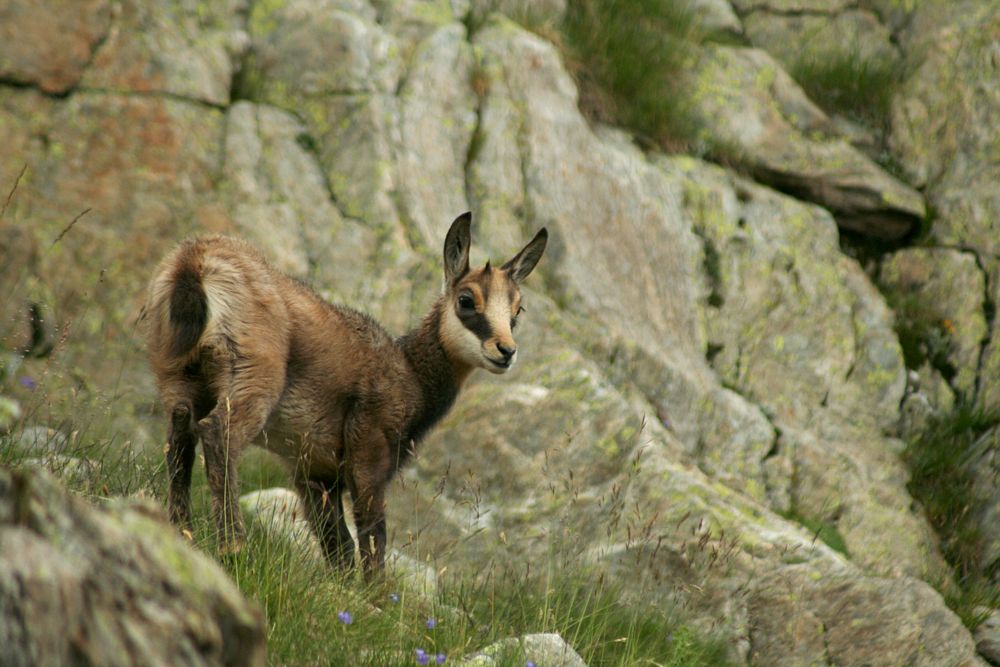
(496, 369)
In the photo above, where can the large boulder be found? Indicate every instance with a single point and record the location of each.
(755, 115)
(802, 624)
(111, 586)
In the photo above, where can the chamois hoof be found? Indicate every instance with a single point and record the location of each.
(231, 550)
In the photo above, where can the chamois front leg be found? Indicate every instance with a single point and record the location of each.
(370, 470)
(324, 504)
(369, 517)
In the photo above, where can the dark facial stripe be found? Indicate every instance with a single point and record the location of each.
(477, 324)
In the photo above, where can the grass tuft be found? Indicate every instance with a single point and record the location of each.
(941, 479)
(593, 614)
(850, 82)
(629, 58)
(821, 530)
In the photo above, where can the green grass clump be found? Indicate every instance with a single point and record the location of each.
(850, 82)
(629, 58)
(941, 480)
(821, 530)
(588, 610)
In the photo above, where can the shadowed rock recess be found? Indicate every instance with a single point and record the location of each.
(703, 372)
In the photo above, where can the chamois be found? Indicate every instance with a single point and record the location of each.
(245, 354)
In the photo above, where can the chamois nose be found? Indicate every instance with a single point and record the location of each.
(507, 352)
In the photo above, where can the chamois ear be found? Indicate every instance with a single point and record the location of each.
(456, 248)
(523, 262)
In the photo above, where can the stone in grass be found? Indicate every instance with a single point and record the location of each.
(40, 441)
(10, 412)
(281, 514)
(66, 468)
(547, 649)
(112, 585)
(987, 635)
(414, 575)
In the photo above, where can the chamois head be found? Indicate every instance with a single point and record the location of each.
(481, 305)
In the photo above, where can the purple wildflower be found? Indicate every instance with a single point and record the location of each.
(28, 382)
(345, 617)
(422, 657)
(431, 623)
(441, 657)
(529, 664)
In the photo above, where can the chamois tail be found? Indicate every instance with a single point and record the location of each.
(188, 309)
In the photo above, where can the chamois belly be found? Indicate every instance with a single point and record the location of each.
(306, 434)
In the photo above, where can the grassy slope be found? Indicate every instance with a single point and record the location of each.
(303, 598)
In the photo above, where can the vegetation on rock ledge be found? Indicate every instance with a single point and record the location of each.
(942, 481)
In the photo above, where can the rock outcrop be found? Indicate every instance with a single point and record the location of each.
(943, 129)
(111, 586)
(754, 114)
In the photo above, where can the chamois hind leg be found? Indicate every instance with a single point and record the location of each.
(324, 504)
(237, 418)
(186, 403)
(181, 442)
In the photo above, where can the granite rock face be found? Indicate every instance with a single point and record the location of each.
(705, 375)
(943, 129)
(51, 44)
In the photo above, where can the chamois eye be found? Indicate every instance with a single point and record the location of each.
(465, 302)
(513, 320)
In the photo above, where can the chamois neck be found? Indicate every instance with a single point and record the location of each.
(438, 375)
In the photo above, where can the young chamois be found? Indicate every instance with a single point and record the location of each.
(244, 354)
